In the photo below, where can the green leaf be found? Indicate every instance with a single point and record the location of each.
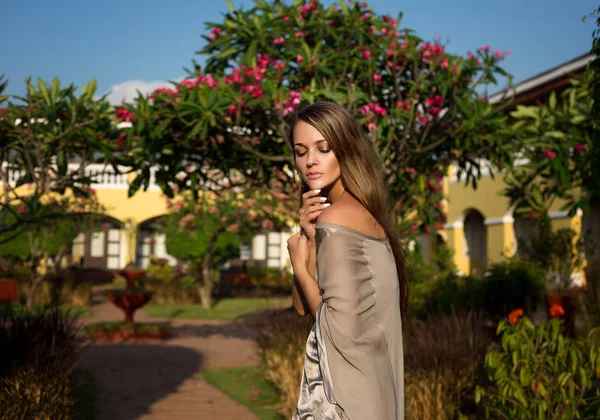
(230, 5)
(44, 91)
(559, 135)
(552, 100)
(54, 89)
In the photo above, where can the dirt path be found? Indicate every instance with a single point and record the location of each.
(162, 380)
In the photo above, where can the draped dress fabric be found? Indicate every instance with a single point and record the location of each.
(353, 368)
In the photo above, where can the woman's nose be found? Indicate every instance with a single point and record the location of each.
(311, 158)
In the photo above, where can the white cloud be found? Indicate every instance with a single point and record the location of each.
(127, 90)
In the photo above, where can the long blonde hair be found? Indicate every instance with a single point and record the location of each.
(361, 173)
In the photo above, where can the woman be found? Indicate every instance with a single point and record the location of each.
(354, 361)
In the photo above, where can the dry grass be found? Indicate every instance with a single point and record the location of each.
(282, 342)
(443, 357)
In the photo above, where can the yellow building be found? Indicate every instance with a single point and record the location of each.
(481, 226)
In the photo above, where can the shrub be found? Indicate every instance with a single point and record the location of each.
(281, 340)
(590, 299)
(442, 358)
(441, 295)
(39, 350)
(64, 288)
(539, 373)
(511, 284)
(271, 278)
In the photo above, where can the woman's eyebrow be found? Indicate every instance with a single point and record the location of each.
(318, 141)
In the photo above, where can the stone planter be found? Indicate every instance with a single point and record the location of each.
(9, 290)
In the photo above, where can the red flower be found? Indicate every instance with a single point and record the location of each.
(299, 59)
(367, 54)
(514, 316)
(21, 209)
(556, 311)
(549, 154)
(534, 388)
(286, 18)
(580, 147)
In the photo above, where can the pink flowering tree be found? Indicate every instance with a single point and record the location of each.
(206, 230)
(556, 157)
(423, 107)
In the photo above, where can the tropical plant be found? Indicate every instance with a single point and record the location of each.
(421, 105)
(538, 373)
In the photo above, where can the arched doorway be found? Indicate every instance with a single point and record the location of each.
(475, 241)
(98, 244)
(151, 242)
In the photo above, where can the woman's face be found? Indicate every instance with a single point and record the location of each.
(315, 161)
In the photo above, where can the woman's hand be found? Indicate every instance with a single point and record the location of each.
(299, 253)
(312, 206)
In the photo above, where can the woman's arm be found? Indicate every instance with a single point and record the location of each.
(298, 300)
(309, 289)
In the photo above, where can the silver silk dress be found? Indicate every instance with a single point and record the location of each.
(354, 366)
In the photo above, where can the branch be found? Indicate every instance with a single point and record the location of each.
(280, 158)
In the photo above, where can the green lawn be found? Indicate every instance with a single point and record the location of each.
(84, 395)
(228, 309)
(82, 311)
(247, 386)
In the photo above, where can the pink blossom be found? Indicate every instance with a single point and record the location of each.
(499, 54)
(371, 126)
(411, 171)
(278, 41)
(366, 16)
(299, 59)
(377, 78)
(455, 70)
(286, 18)
(235, 228)
(232, 110)
(549, 154)
(279, 65)
(444, 63)
(212, 209)
(21, 209)
(267, 224)
(300, 34)
(414, 228)
(485, 48)
(580, 147)
(364, 5)
(423, 119)
(367, 54)
(124, 114)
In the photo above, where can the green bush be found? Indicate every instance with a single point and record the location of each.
(271, 278)
(442, 295)
(39, 349)
(66, 287)
(513, 283)
(538, 373)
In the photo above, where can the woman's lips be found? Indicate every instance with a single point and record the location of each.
(314, 175)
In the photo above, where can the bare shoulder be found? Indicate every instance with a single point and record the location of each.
(352, 214)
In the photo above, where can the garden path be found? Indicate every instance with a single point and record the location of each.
(155, 381)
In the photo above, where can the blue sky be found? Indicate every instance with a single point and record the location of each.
(129, 44)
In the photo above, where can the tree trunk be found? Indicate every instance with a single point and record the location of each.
(206, 287)
(35, 280)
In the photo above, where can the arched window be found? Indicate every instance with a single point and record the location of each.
(475, 241)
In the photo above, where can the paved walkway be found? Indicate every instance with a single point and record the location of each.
(162, 380)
